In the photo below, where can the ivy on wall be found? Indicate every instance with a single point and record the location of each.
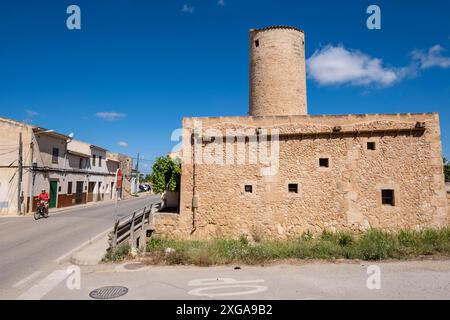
(447, 169)
(165, 175)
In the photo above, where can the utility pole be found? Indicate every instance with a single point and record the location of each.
(136, 184)
(137, 164)
(20, 167)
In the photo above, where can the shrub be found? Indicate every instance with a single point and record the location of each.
(118, 254)
(375, 245)
(307, 236)
(345, 239)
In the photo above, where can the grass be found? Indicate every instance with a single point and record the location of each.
(372, 245)
(119, 254)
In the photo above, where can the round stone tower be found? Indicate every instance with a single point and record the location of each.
(277, 71)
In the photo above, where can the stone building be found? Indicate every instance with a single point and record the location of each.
(280, 172)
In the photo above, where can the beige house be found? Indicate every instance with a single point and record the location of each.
(72, 171)
(280, 172)
(126, 165)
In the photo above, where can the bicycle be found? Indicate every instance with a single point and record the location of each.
(41, 211)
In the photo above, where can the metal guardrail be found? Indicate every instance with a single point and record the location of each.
(134, 228)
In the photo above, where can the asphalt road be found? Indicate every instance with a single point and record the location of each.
(30, 248)
(309, 281)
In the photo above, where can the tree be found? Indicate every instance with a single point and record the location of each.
(447, 169)
(165, 175)
(146, 178)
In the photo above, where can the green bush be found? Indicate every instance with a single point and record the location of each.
(345, 239)
(375, 245)
(118, 254)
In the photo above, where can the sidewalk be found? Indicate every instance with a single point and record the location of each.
(81, 206)
(99, 203)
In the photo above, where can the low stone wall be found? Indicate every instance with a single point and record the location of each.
(168, 224)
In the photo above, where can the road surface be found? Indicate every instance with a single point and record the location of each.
(30, 249)
(309, 281)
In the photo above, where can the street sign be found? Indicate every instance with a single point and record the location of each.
(119, 179)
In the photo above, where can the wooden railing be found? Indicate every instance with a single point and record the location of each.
(134, 228)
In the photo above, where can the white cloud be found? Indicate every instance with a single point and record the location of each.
(221, 3)
(110, 115)
(432, 58)
(335, 65)
(122, 144)
(188, 8)
(31, 113)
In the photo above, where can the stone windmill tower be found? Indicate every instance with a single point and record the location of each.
(277, 71)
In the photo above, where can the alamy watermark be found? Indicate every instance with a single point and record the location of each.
(239, 146)
(73, 21)
(374, 20)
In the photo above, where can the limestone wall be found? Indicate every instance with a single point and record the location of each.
(277, 71)
(346, 195)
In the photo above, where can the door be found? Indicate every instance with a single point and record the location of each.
(79, 193)
(99, 194)
(53, 194)
(91, 188)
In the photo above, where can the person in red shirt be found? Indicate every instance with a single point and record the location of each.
(44, 198)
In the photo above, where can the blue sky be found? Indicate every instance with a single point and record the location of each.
(137, 67)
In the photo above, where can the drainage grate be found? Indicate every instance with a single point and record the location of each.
(106, 293)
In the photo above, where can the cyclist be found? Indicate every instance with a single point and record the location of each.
(44, 199)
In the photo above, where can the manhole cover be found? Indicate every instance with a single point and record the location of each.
(134, 266)
(108, 293)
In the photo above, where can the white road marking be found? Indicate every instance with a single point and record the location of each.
(84, 244)
(225, 283)
(201, 291)
(46, 285)
(27, 279)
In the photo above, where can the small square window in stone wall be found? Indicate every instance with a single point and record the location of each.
(324, 162)
(371, 146)
(388, 197)
(248, 188)
(293, 188)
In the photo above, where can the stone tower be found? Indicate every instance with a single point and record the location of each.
(277, 71)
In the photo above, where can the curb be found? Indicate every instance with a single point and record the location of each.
(84, 247)
(92, 254)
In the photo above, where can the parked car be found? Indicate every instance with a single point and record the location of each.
(145, 187)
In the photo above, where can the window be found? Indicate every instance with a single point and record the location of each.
(93, 160)
(248, 188)
(257, 43)
(387, 197)
(370, 145)
(55, 155)
(324, 162)
(80, 164)
(99, 161)
(69, 188)
(293, 188)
